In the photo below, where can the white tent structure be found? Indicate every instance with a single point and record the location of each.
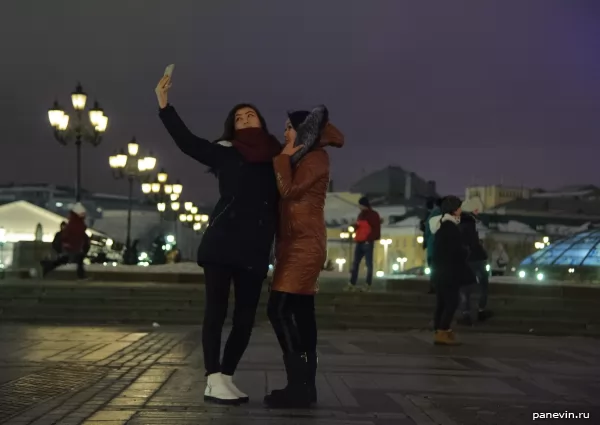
(19, 219)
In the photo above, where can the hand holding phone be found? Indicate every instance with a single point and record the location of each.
(162, 89)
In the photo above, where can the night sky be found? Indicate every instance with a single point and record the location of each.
(460, 92)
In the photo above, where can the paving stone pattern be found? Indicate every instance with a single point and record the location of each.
(127, 375)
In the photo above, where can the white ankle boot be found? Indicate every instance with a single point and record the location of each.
(219, 391)
(241, 396)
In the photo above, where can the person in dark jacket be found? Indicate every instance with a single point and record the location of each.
(368, 231)
(237, 243)
(450, 269)
(49, 265)
(57, 241)
(433, 211)
(477, 261)
(301, 251)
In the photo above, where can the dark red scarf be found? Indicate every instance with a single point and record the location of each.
(256, 145)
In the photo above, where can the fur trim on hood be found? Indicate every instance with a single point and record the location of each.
(436, 222)
(310, 132)
(473, 205)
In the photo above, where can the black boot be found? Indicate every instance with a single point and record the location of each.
(288, 372)
(311, 376)
(296, 394)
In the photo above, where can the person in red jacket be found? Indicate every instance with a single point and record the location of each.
(75, 242)
(368, 230)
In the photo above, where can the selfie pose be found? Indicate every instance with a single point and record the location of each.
(237, 242)
(302, 172)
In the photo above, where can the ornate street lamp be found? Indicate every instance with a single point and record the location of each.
(131, 166)
(78, 130)
(190, 217)
(163, 193)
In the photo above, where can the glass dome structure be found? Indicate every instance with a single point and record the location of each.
(581, 249)
(576, 257)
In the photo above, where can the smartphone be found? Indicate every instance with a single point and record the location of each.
(169, 69)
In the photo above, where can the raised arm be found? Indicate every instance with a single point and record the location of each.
(294, 184)
(202, 150)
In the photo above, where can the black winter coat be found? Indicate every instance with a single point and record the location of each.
(450, 267)
(468, 229)
(241, 228)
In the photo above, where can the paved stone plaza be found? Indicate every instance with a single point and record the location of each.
(118, 375)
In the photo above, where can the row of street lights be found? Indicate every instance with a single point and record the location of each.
(129, 165)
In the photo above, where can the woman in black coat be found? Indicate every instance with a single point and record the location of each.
(236, 246)
(450, 268)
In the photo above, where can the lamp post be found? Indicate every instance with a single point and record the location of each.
(190, 217)
(161, 192)
(340, 262)
(386, 243)
(78, 130)
(402, 261)
(2, 242)
(131, 166)
(349, 234)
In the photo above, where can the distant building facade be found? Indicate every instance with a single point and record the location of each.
(494, 195)
(59, 199)
(516, 217)
(394, 185)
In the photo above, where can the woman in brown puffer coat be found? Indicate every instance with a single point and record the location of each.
(302, 173)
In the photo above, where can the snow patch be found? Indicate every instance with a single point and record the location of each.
(516, 227)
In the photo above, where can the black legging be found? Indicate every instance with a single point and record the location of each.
(247, 286)
(293, 319)
(448, 298)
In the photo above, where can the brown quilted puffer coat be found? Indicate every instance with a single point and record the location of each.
(301, 244)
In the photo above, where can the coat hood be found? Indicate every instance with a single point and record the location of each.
(331, 136)
(436, 222)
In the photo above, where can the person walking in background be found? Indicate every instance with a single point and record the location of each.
(57, 241)
(433, 206)
(499, 261)
(450, 270)
(237, 243)
(368, 231)
(61, 259)
(75, 241)
(477, 259)
(302, 172)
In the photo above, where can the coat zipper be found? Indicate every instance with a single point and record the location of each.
(212, 222)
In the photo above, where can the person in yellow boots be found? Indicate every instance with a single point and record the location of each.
(450, 268)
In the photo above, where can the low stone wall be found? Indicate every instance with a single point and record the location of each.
(570, 313)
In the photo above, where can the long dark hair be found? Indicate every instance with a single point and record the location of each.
(229, 126)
